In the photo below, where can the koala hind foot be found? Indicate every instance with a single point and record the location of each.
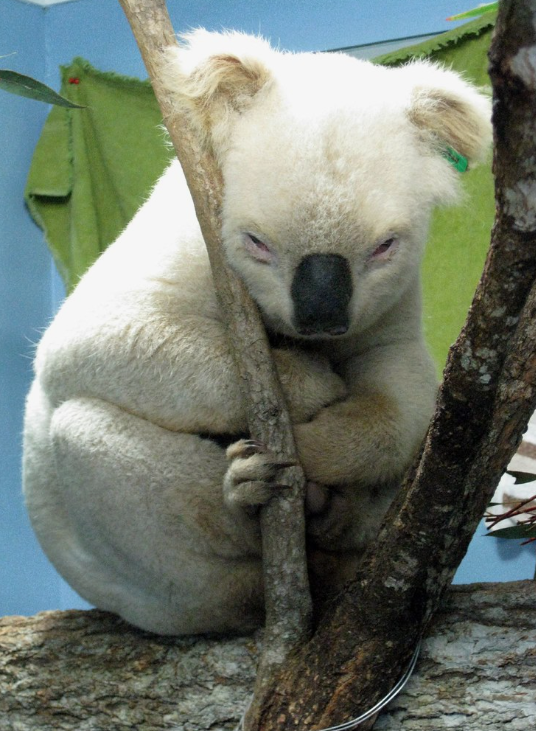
(251, 478)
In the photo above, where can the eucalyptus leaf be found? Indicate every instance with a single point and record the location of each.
(521, 477)
(481, 10)
(26, 86)
(518, 532)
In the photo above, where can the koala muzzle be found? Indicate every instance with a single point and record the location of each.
(321, 291)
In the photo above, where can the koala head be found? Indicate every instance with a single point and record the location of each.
(331, 168)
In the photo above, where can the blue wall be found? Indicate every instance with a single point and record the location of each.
(29, 286)
(25, 307)
(97, 29)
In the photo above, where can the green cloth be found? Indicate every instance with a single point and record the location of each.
(92, 169)
(459, 237)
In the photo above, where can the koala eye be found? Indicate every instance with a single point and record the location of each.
(258, 248)
(385, 249)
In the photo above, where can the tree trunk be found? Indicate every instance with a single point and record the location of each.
(90, 671)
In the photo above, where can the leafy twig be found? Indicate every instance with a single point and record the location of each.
(525, 529)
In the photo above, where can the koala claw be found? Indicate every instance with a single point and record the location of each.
(250, 479)
(244, 448)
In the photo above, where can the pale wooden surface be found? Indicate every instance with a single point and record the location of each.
(89, 671)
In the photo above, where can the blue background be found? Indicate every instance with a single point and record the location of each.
(40, 39)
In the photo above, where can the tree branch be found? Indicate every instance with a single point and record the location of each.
(287, 599)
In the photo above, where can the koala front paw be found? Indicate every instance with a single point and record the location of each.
(251, 479)
(308, 382)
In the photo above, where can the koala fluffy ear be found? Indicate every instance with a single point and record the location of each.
(450, 110)
(214, 76)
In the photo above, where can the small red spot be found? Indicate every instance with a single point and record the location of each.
(74, 80)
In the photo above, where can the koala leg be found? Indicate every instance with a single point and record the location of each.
(137, 523)
(338, 535)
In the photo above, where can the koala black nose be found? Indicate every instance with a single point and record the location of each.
(321, 291)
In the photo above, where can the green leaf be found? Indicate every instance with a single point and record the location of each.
(23, 85)
(487, 8)
(518, 532)
(521, 477)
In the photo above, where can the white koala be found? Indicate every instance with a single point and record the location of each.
(331, 168)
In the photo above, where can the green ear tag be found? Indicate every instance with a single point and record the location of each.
(455, 159)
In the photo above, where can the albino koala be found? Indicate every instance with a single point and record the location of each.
(331, 168)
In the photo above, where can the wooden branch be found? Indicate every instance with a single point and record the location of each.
(90, 671)
(287, 598)
(488, 394)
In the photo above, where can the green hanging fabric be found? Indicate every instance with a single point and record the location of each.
(92, 169)
(459, 237)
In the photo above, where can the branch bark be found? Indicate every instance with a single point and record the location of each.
(287, 598)
(89, 671)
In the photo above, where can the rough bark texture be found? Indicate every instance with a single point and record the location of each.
(477, 669)
(89, 671)
(488, 394)
(287, 598)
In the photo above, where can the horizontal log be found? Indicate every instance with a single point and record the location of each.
(89, 671)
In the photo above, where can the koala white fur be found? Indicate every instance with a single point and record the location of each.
(331, 168)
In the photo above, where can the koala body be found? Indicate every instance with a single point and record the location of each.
(331, 168)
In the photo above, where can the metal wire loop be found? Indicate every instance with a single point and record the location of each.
(355, 722)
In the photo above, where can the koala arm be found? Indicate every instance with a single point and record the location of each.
(177, 372)
(371, 436)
